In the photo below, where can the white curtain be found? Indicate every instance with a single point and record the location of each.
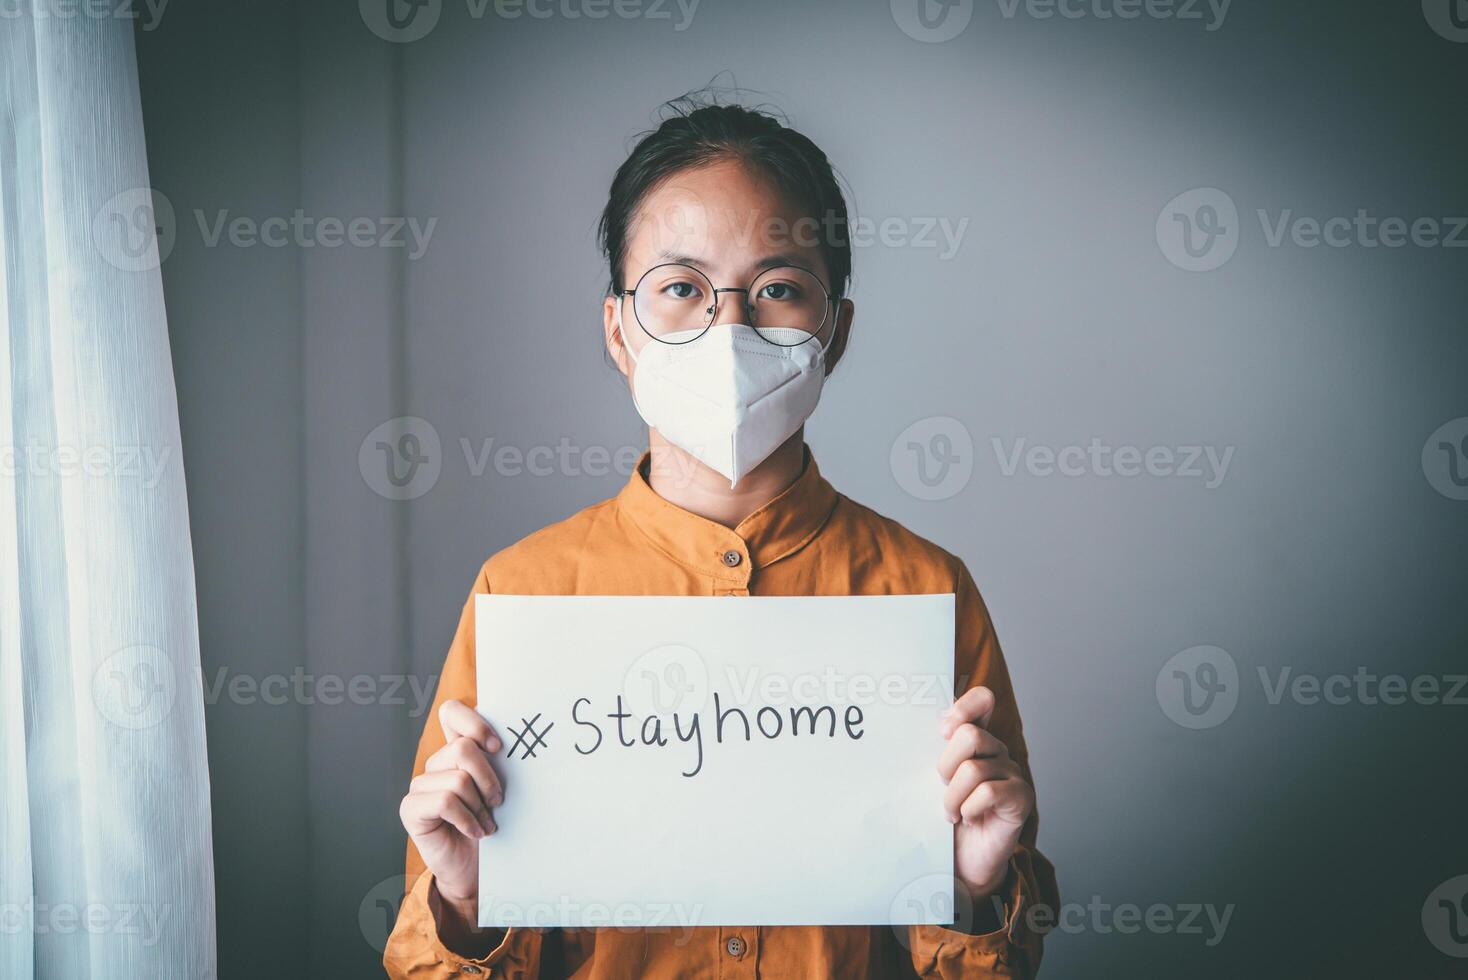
(105, 853)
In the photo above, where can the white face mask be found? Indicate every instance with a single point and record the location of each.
(729, 398)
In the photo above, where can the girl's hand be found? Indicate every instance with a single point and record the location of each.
(987, 796)
(447, 809)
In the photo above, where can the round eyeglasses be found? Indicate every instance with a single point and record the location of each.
(676, 304)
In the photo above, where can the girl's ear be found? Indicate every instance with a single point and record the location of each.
(845, 311)
(612, 333)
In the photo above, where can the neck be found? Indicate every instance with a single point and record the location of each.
(683, 481)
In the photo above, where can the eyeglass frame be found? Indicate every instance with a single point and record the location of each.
(831, 300)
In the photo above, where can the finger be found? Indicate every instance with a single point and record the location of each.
(976, 705)
(466, 754)
(1011, 800)
(967, 742)
(461, 784)
(969, 775)
(425, 812)
(457, 718)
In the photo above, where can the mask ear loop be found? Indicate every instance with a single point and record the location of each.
(626, 346)
(834, 303)
(623, 333)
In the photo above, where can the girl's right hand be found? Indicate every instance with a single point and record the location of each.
(448, 809)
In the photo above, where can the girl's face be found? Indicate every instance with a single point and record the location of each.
(731, 225)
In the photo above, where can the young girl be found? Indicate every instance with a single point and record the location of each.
(726, 235)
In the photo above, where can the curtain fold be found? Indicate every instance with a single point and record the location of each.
(105, 848)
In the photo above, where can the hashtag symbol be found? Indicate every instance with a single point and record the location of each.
(528, 739)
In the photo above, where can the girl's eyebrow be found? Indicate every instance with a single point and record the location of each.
(768, 262)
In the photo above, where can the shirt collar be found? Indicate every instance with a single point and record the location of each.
(778, 529)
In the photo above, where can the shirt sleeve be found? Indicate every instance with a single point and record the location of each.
(1013, 950)
(415, 951)
(414, 948)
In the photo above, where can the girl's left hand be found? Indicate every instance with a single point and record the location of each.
(986, 796)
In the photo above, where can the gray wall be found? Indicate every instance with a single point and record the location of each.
(1058, 319)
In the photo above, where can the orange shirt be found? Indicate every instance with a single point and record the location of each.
(810, 540)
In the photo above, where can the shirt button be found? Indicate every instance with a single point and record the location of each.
(732, 558)
(735, 946)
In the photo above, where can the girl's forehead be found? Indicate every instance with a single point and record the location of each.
(721, 218)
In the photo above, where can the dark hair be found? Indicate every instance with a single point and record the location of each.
(700, 132)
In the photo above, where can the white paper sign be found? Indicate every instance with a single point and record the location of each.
(697, 761)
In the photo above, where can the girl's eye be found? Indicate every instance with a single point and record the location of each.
(781, 291)
(681, 290)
